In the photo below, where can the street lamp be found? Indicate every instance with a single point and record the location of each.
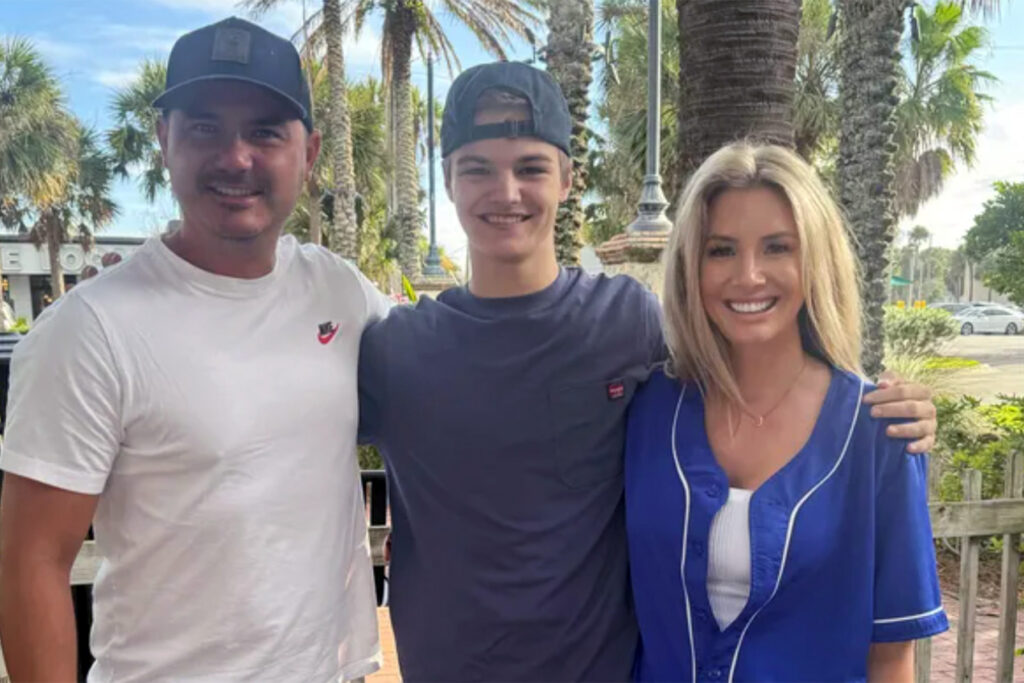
(651, 207)
(432, 267)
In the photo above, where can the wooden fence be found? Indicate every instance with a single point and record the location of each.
(971, 521)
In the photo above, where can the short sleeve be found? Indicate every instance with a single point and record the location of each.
(64, 411)
(372, 383)
(377, 304)
(907, 601)
(655, 337)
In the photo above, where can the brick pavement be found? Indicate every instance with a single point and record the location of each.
(943, 646)
(986, 637)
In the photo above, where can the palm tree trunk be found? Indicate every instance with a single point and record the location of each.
(53, 245)
(869, 74)
(313, 207)
(737, 70)
(407, 180)
(344, 232)
(569, 51)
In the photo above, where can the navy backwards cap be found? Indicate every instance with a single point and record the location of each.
(237, 50)
(549, 120)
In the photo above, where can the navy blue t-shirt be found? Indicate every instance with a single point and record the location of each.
(840, 545)
(502, 424)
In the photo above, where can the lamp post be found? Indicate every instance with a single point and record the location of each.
(432, 267)
(651, 207)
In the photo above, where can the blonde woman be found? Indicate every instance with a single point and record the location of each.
(776, 533)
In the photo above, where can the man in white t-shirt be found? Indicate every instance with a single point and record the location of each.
(198, 404)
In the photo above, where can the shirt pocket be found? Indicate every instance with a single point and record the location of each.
(589, 427)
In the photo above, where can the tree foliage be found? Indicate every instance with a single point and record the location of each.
(1000, 217)
(1006, 275)
(132, 140)
(942, 103)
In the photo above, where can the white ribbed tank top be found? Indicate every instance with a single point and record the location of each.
(729, 558)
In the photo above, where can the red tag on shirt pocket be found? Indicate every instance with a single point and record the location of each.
(616, 390)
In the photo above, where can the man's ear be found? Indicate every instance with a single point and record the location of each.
(162, 130)
(566, 186)
(446, 167)
(313, 143)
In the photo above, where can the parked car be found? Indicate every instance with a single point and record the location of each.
(995, 319)
(952, 308)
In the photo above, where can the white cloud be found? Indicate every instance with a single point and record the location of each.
(224, 6)
(285, 18)
(363, 51)
(150, 39)
(1000, 156)
(115, 79)
(57, 51)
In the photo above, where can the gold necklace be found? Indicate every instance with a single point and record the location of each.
(759, 419)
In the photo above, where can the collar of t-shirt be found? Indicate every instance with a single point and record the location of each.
(462, 299)
(223, 285)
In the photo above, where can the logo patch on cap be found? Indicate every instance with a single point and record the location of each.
(231, 45)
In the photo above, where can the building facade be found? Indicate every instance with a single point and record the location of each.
(25, 268)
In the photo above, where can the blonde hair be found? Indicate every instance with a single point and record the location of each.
(830, 320)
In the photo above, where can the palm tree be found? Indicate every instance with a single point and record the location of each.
(345, 230)
(816, 109)
(332, 25)
(366, 107)
(737, 65)
(869, 82)
(79, 208)
(941, 109)
(132, 140)
(569, 53)
(34, 135)
(918, 236)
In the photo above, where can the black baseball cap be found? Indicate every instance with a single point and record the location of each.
(549, 120)
(237, 50)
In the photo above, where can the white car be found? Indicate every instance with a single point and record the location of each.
(990, 319)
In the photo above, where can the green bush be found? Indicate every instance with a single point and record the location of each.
(917, 332)
(369, 458)
(975, 436)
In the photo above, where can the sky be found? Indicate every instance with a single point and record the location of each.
(96, 46)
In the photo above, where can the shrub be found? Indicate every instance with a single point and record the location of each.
(369, 458)
(917, 332)
(975, 436)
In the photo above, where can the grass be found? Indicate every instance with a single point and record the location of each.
(938, 373)
(950, 363)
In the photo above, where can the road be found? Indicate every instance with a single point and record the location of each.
(997, 350)
(1002, 371)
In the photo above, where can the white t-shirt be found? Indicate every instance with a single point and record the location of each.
(216, 417)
